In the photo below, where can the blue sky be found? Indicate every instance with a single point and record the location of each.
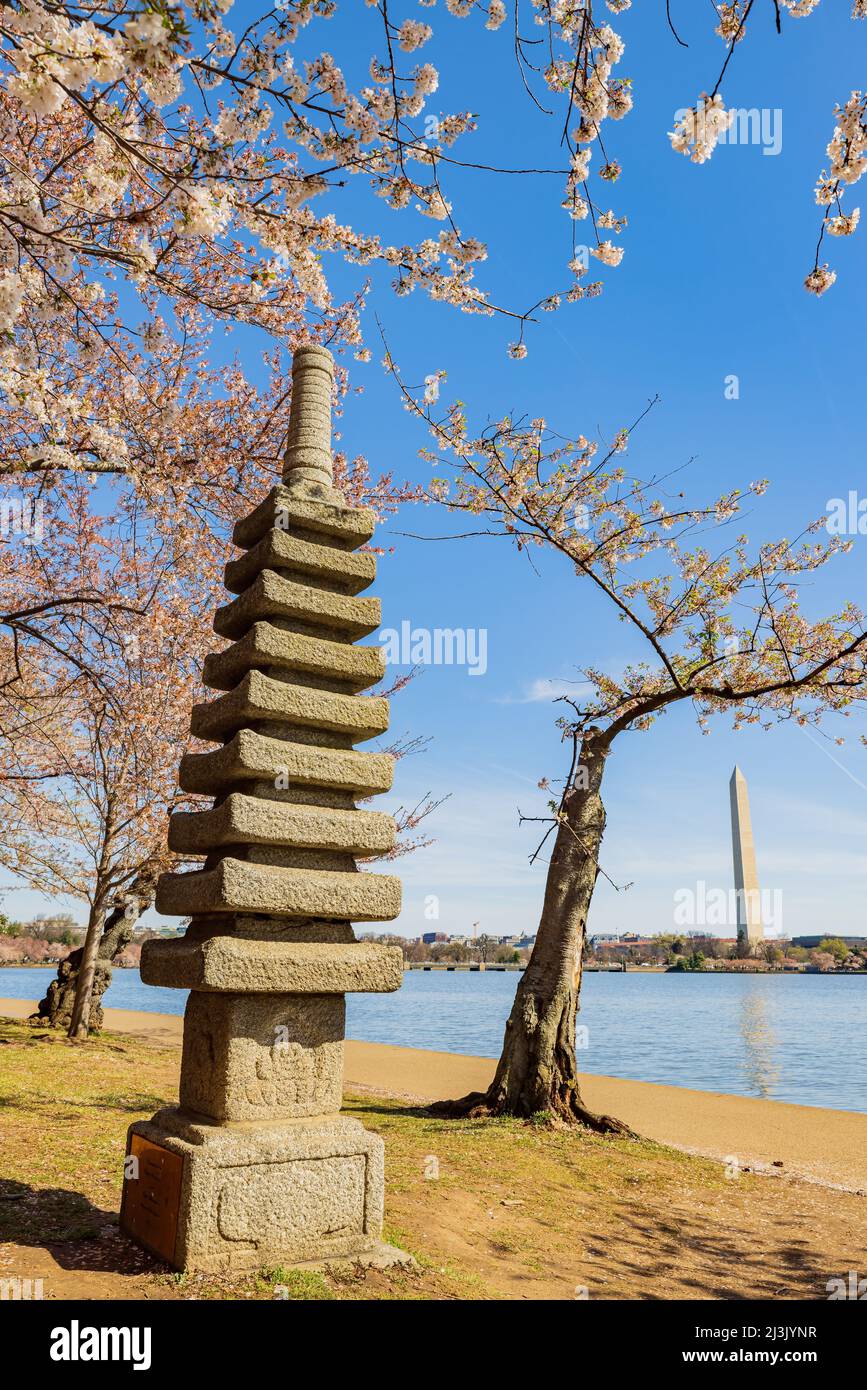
(710, 285)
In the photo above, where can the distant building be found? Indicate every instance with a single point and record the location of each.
(431, 938)
(810, 943)
(624, 943)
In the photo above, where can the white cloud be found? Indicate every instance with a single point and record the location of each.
(547, 688)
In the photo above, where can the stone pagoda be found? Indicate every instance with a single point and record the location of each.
(256, 1164)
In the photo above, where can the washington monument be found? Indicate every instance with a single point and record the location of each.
(744, 854)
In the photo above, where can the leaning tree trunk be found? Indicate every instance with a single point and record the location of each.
(79, 1022)
(57, 1009)
(537, 1071)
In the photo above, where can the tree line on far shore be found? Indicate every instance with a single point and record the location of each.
(49, 938)
(698, 951)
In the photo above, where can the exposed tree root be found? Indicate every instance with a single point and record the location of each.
(481, 1104)
(468, 1107)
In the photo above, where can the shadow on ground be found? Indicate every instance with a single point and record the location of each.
(77, 1234)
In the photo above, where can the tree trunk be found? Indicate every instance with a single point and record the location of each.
(57, 1009)
(80, 1020)
(537, 1071)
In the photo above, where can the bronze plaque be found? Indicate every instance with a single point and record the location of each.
(151, 1201)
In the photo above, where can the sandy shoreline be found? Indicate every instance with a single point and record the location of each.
(828, 1146)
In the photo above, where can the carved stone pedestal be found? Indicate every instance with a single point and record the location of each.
(252, 1195)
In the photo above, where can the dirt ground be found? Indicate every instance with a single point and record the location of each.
(490, 1209)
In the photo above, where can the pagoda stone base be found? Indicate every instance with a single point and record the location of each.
(229, 1198)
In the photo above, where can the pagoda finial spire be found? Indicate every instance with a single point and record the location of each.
(307, 464)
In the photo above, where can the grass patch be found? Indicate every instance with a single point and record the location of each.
(294, 1284)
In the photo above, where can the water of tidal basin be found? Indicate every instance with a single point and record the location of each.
(800, 1038)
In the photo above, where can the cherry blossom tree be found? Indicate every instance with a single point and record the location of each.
(91, 734)
(723, 631)
(164, 175)
(83, 811)
(143, 212)
(149, 141)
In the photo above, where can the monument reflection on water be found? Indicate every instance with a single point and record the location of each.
(760, 1043)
